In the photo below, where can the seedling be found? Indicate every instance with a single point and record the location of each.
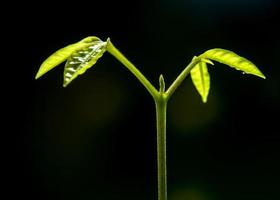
(84, 54)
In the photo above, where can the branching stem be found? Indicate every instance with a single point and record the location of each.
(77, 65)
(118, 55)
(161, 98)
(181, 77)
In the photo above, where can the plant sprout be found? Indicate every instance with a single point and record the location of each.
(84, 54)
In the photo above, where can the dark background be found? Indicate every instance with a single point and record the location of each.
(96, 139)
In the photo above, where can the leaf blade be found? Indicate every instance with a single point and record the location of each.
(201, 80)
(62, 54)
(82, 60)
(233, 60)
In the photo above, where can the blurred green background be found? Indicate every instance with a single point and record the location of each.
(96, 139)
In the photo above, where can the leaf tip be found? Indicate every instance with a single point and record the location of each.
(38, 75)
(259, 74)
(67, 81)
(207, 61)
(204, 98)
(262, 76)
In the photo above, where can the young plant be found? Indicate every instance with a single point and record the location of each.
(84, 54)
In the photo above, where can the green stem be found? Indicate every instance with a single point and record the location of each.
(182, 77)
(161, 98)
(161, 105)
(118, 55)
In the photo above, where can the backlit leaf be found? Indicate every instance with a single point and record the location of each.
(201, 80)
(233, 60)
(83, 59)
(207, 61)
(62, 54)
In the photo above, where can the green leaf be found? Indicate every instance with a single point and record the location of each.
(62, 54)
(233, 60)
(207, 61)
(82, 60)
(201, 80)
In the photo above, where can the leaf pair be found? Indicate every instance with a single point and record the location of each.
(200, 75)
(80, 56)
(84, 54)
